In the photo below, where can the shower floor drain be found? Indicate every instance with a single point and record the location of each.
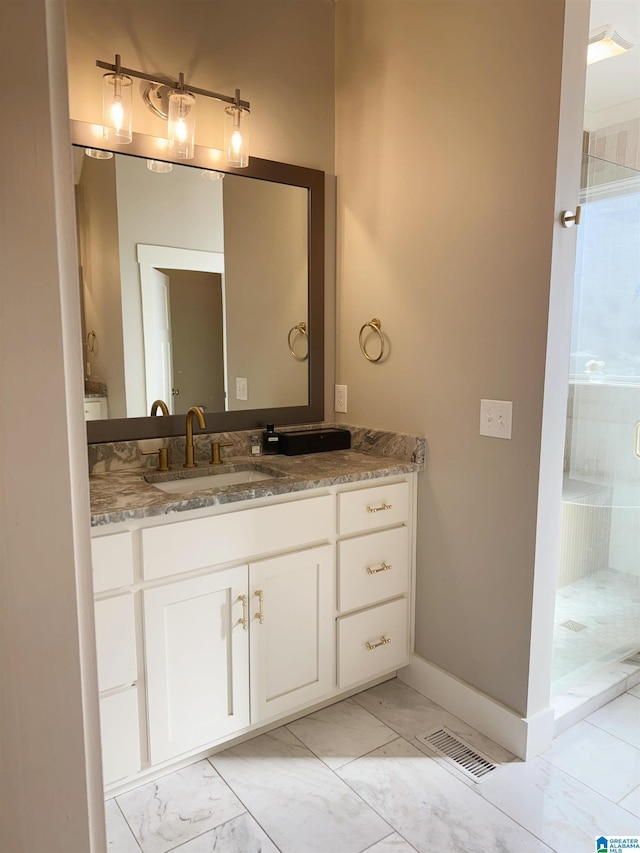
(463, 756)
(573, 626)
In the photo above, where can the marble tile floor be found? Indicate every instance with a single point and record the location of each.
(605, 608)
(353, 777)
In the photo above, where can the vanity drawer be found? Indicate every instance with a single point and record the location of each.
(112, 561)
(116, 642)
(120, 735)
(358, 661)
(373, 568)
(188, 545)
(377, 506)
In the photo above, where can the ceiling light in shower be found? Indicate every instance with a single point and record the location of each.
(607, 41)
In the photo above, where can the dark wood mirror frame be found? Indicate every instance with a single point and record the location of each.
(125, 429)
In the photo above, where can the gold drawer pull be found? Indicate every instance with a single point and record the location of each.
(383, 642)
(378, 508)
(260, 614)
(243, 620)
(384, 567)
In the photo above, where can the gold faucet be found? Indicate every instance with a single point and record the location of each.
(215, 451)
(159, 404)
(188, 450)
(163, 457)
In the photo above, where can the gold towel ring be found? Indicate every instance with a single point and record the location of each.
(302, 328)
(374, 324)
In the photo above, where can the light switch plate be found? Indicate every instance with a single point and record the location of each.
(495, 418)
(341, 398)
(241, 388)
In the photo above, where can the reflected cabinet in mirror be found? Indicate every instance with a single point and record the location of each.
(200, 286)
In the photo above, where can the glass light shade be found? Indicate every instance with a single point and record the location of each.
(97, 154)
(182, 123)
(236, 136)
(116, 108)
(160, 166)
(211, 175)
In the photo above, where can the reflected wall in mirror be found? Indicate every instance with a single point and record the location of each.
(192, 287)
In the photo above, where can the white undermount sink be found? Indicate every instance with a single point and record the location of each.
(212, 481)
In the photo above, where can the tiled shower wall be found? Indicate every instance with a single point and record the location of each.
(600, 449)
(618, 143)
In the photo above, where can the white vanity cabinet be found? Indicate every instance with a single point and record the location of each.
(197, 661)
(236, 647)
(213, 622)
(374, 568)
(117, 654)
(291, 626)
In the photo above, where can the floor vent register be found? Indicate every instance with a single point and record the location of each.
(463, 756)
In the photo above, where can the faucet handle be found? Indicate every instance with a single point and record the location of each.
(163, 457)
(215, 451)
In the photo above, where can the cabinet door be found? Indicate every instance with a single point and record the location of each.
(116, 641)
(292, 644)
(120, 734)
(197, 662)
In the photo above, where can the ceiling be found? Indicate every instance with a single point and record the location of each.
(613, 85)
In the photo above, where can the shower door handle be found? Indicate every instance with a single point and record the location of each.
(568, 218)
(636, 441)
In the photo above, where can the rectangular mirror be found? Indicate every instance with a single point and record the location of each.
(200, 286)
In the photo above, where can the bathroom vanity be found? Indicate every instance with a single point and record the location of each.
(219, 612)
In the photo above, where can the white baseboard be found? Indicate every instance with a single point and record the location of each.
(524, 737)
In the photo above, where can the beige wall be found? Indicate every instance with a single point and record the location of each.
(50, 780)
(265, 260)
(279, 52)
(447, 132)
(97, 215)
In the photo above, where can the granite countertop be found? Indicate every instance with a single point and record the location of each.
(120, 495)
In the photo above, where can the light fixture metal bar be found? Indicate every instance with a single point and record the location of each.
(173, 84)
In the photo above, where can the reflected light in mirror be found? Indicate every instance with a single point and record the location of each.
(97, 154)
(159, 166)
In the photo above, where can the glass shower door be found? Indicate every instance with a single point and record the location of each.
(598, 593)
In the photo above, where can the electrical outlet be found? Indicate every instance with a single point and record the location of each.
(241, 388)
(495, 418)
(341, 398)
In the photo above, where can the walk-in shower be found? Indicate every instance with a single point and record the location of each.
(597, 619)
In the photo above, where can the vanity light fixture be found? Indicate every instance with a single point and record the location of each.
(211, 175)
(182, 121)
(176, 102)
(116, 105)
(607, 41)
(236, 134)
